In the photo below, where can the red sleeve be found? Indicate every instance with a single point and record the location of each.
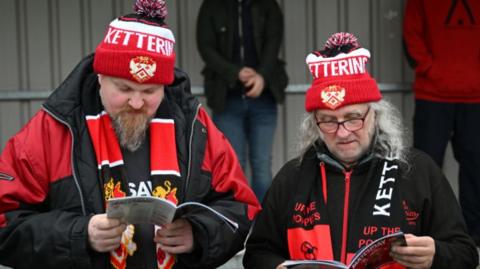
(32, 159)
(227, 175)
(415, 35)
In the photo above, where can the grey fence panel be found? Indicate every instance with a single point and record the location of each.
(9, 29)
(388, 54)
(34, 106)
(42, 40)
(10, 121)
(279, 140)
(327, 18)
(67, 27)
(38, 30)
(358, 18)
(10, 70)
(98, 15)
(189, 58)
(408, 74)
(298, 38)
(295, 111)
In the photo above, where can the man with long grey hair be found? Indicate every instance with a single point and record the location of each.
(356, 180)
(389, 141)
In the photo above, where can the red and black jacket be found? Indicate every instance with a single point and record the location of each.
(49, 184)
(442, 37)
(317, 209)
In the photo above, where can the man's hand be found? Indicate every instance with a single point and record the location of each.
(175, 237)
(252, 81)
(245, 74)
(418, 254)
(105, 234)
(280, 266)
(255, 85)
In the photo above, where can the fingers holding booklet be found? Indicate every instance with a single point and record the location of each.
(374, 256)
(154, 210)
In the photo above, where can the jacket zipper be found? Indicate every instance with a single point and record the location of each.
(71, 158)
(189, 166)
(324, 181)
(343, 256)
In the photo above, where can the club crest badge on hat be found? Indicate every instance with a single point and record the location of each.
(142, 68)
(333, 96)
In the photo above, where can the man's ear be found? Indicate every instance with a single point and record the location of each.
(100, 79)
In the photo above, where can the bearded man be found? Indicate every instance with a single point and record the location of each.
(122, 124)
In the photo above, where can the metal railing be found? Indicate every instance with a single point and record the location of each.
(29, 95)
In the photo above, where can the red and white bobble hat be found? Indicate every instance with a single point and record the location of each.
(340, 75)
(138, 46)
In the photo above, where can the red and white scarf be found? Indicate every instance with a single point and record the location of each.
(165, 173)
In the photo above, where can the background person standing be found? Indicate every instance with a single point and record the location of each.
(239, 42)
(442, 39)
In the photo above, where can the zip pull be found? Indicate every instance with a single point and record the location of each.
(348, 175)
(324, 181)
(346, 203)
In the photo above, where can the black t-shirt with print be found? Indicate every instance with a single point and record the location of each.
(137, 164)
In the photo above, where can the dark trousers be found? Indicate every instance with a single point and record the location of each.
(249, 124)
(435, 124)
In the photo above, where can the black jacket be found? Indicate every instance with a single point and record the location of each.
(54, 187)
(419, 198)
(215, 37)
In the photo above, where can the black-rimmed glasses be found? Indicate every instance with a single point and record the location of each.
(351, 125)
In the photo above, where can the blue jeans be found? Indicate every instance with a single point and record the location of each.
(435, 124)
(249, 124)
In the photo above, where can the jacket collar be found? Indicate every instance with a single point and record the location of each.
(324, 155)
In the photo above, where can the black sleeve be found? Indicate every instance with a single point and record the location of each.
(31, 233)
(228, 194)
(273, 37)
(208, 35)
(445, 224)
(55, 239)
(215, 241)
(266, 245)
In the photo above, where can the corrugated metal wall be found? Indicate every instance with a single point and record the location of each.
(42, 40)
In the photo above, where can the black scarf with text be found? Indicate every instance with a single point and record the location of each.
(376, 212)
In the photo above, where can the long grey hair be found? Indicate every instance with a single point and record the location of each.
(389, 140)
